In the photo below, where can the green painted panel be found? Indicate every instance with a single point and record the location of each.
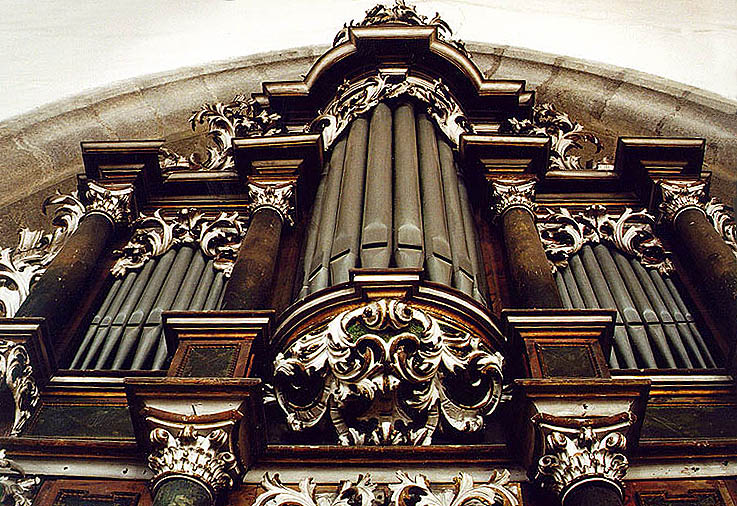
(82, 421)
(685, 422)
(697, 499)
(568, 361)
(209, 361)
(83, 498)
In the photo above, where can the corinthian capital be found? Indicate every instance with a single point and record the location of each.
(681, 194)
(576, 455)
(279, 197)
(510, 192)
(192, 455)
(117, 204)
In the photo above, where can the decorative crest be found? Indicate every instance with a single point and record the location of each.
(510, 192)
(21, 266)
(193, 455)
(354, 99)
(118, 204)
(722, 217)
(385, 373)
(563, 234)
(218, 237)
(15, 486)
(17, 375)
(401, 14)
(279, 197)
(681, 194)
(243, 117)
(565, 134)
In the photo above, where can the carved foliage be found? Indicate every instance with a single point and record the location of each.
(117, 204)
(279, 197)
(21, 266)
(401, 13)
(386, 372)
(679, 195)
(219, 238)
(193, 455)
(15, 486)
(354, 99)
(722, 218)
(513, 192)
(17, 374)
(564, 234)
(566, 135)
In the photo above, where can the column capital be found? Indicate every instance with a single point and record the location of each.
(194, 454)
(276, 196)
(117, 203)
(678, 195)
(514, 191)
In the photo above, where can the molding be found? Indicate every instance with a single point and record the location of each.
(219, 237)
(116, 203)
(408, 491)
(17, 375)
(14, 483)
(399, 369)
(679, 195)
(279, 197)
(510, 192)
(722, 217)
(193, 455)
(563, 234)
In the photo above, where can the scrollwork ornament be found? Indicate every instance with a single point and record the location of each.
(279, 197)
(511, 192)
(679, 195)
(722, 217)
(117, 204)
(360, 493)
(572, 458)
(417, 492)
(193, 455)
(15, 485)
(384, 373)
(17, 375)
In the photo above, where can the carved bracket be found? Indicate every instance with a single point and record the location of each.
(385, 371)
(279, 197)
(563, 234)
(17, 375)
(409, 491)
(219, 237)
(15, 486)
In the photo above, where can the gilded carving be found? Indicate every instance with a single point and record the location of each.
(510, 192)
(16, 487)
(563, 234)
(118, 204)
(384, 372)
(279, 197)
(722, 217)
(17, 375)
(679, 195)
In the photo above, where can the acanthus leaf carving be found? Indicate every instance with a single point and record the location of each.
(679, 195)
(563, 234)
(279, 197)
(218, 237)
(17, 375)
(117, 203)
(354, 99)
(722, 217)
(360, 493)
(15, 485)
(510, 192)
(384, 372)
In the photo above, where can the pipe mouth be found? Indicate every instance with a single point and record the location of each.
(588, 480)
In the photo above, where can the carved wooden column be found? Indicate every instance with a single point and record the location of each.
(250, 282)
(57, 292)
(683, 207)
(529, 269)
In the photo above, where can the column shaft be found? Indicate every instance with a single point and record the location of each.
(182, 491)
(594, 492)
(249, 286)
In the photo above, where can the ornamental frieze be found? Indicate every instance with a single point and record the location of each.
(387, 373)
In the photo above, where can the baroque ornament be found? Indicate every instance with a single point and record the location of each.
(21, 266)
(680, 195)
(565, 134)
(218, 237)
(17, 375)
(510, 192)
(118, 204)
(563, 234)
(722, 218)
(193, 455)
(571, 458)
(279, 197)
(16, 487)
(242, 117)
(401, 14)
(386, 373)
(409, 491)
(354, 99)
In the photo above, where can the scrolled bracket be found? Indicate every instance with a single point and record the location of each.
(17, 375)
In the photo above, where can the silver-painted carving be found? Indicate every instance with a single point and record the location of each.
(242, 117)
(511, 192)
(566, 137)
(194, 455)
(17, 488)
(403, 14)
(385, 373)
(219, 237)
(409, 491)
(563, 234)
(354, 99)
(722, 217)
(17, 374)
(679, 195)
(570, 458)
(279, 197)
(21, 266)
(118, 204)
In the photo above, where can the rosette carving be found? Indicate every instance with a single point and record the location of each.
(242, 117)
(722, 217)
(510, 192)
(571, 458)
(279, 197)
(17, 375)
(218, 237)
(566, 135)
(118, 204)
(15, 486)
(193, 455)
(354, 99)
(403, 14)
(679, 195)
(563, 234)
(386, 373)
(21, 266)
